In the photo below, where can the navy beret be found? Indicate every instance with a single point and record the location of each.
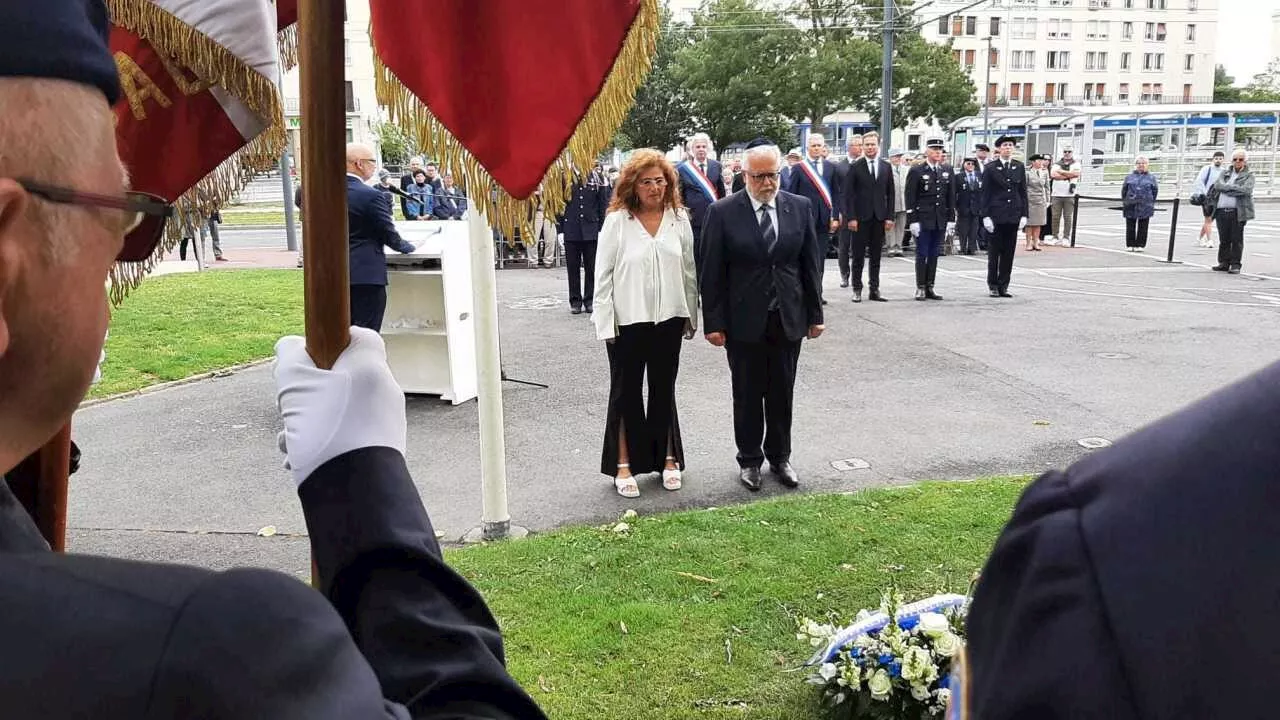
(760, 142)
(63, 39)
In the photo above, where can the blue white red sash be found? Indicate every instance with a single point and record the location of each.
(817, 181)
(695, 174)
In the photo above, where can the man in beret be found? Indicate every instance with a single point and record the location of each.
(1004, 214)
(392, 633)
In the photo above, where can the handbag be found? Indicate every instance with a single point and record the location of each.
(1197, 199)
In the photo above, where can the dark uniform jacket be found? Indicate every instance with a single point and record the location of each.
(369, 230)
(968, 194)
(392, 633)
(930, 196)
(1004, 192)
(799, 183)
(1141, 582)
(695, 198)
(588, 204)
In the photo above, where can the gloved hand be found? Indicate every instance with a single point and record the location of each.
(990, 226)
(357, 404)
(1022, 222)
(915, 229)
(951, 227)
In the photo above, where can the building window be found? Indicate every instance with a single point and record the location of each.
(995, 26)
(1104, 30)
(1015, 93)
(1102, 91)
(913, 142)
(1123, 94)
(1157, 4)
(942, 25)
(1190, 63)
(351, 96)
(958, 56)
(1191, 32)
(1161, 32)
(957, 25)
(1124, 60)
(346, 52)
(1050, 92)
(1024, 60)
(1186, 93)
(1098, 30)
(1102, 61)
(970, 59)
(1055, 27)
(992, 92)
(971, 25)
(1153, 61)
(1150, 33)
(1191, 5)
(1128, 4)
(993, 58)
(1088, 91)
(1058, 60)
(1090, 60)
(1023, 28)
(1062, 91)
(1126, 31)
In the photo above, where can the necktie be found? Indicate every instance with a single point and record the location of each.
(766, 226)
(873, 169)
(703, 168)
(817, 165)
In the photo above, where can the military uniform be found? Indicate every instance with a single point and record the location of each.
(1004, 202)
(931, 204)
(581, 222)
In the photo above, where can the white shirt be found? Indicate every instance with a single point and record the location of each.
(642, 277)
(773, 211)
(1062, 188)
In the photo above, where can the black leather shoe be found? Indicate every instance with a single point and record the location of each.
(857, 295)
(750, 476)
(844, 282)
(1004, 292)
(876, 297)
(1233, 270)
(587, 309)
(995, 293)
(930, 294)
(575, 310)
(920, 293)
(1219, 268)
(785, 474)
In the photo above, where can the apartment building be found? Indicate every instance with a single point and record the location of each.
(1071, 52)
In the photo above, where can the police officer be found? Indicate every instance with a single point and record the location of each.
(931, 213)
(587, 207)
(1004, 213)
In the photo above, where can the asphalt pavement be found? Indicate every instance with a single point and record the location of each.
(1096, 342)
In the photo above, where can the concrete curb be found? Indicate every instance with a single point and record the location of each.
(174, 383)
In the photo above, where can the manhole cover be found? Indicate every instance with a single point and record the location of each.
(536, 303)
(850, 464)
(1113, 356)
(1094, 443)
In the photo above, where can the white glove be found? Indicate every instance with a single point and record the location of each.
(915, 229)
(1022, 222)
(357, 404)
(951, 227)
(990, 226)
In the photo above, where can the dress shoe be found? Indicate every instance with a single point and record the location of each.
(785, 474)
(876, 297)
(920, 293)
(896, 254)
(587, 309)
(1233, 270)
(844, 282)
(575, 310)
(750, 476)
(930, 294)
(995, 293)
(1004, 292)
(857, 295)
(1219, 268)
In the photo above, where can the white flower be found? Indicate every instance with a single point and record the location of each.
(944, 696)
(880, 685)
(947, 644)
(920, 692)
(828, 671)
(933, 624)
(918, 667)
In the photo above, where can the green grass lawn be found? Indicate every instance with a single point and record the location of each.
(273, 216)
(180, 325)
(720, 646)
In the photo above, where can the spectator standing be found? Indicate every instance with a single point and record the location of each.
(1065, 175)
(423, 203)
(588, 204)
(1233, 207)
(1204, 182)
(1037, 200)
(1139, 195)
(968, 192)
(415, 164)
(893, 238)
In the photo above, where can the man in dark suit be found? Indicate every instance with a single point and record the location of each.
(761, 296)
(968, 194)
(739, 178)
(868, 202)
(369, 230)
(814, 178)
(588, 204)
(701, 183)
(392, 632)
(450, 202)
(844, 236)
(1004, 213)
(1144, 573)
(930, 209)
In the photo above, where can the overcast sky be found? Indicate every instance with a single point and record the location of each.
(1244, 36)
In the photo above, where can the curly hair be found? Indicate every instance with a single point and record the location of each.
(641, 161)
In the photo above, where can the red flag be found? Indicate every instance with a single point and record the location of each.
(520, 91)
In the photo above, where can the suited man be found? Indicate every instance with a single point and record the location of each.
(392, 632)
(930, 209)
(369, 230)
(739, 178)
(868, 200)
(450, 202)
(814, 179)
(701, 183)
(583, 216)
(968, 193)
(1004, 213)
(415, 164)
(762, 295)
(844, 236)
(893, 238)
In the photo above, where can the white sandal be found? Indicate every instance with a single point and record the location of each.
(671, 477)
(626, 486)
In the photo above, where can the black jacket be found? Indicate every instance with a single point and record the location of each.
(867, 199)
(369, 230)
(393, 632)
(737, 269)
(968, 195)
(930, 197)
(694, 197)
(1004, 192)
(798, 182)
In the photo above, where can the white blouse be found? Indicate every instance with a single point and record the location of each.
(643, 278)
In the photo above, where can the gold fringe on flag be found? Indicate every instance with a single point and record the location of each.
(287, 41)
(594, 132)
(218, 67)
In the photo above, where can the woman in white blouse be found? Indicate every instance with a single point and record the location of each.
(646, 300)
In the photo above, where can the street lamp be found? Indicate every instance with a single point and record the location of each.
(986, 105)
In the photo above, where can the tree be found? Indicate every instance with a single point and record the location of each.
(928, 84)
(1265, 87)
(662, 113)
(1224, 89)
(395, 144)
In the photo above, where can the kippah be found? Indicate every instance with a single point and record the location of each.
(760, 142)
(62, 39)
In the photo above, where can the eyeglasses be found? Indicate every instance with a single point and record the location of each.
(1239, 159)
(140, 217)
(763, 177)
(652, 182)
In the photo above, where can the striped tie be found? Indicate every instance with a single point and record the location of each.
(766, 226)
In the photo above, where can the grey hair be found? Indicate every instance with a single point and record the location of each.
(820, 136)
(1241, 153)
(772, 151)
(695, 138)
(849, 140)
(1141, 158)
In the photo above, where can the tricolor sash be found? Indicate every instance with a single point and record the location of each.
(817, 181)
(696, 176)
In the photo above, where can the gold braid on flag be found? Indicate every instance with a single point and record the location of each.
(595, 130)
(287, 41)
(218, 67)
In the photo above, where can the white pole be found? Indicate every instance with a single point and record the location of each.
(495, 522)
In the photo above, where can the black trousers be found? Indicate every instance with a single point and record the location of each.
(764, 380)
(967, 227)
(368, 304)
(1230, 237)
(1135, 232)
(643, 349)
(869, 242)
(581, 256)
(844, 250)
(824, 242)
(1001, 245)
